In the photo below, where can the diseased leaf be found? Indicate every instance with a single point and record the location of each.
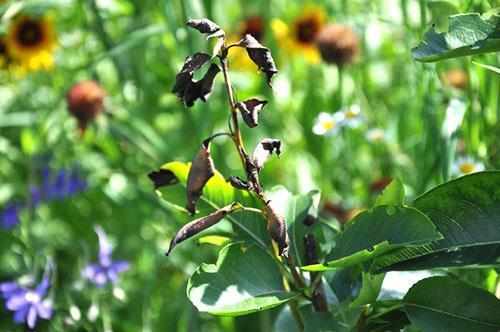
(187, 89)
(198, 225)
(467, 34)
(238, 183)
(260, 55)
(444, 304)
(244, 280)
(263, 151)
(162, 178)
(277, 227)
(250, 110)
(318, 298)
(200, 172)
(203, 25)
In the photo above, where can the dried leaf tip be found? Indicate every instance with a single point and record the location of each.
(202, 169)
(203, 25)
(260, 55)
(250, 110)
(263, 151)
(162, 177)
(194, 227)
(277, 228)
(239, 183)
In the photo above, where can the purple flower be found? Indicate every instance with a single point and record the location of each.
(35, 193)
(10, 215)
(105, 269)
(75, 184)
(27, 303)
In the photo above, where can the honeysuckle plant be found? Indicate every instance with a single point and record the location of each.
(281, 249)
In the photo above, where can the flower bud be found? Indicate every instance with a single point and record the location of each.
(85, 102)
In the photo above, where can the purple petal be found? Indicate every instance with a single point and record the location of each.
(31, 319)
(9, 288)
(20, 315)
(35, 195)
(44, 310)
(10, 215)
(16, 302)
(41, 289)
(100, 279)
(120, 266)
(90, 271)
(105, 248)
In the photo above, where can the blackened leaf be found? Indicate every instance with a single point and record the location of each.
(200, 172)
(185, 87)
(277, 228)
(198, 225)
(162, 178)
(203, 25)
(263, 151)
(260, 55)
(318, 298)
(250, 110)
(238, 183)
(207, 82)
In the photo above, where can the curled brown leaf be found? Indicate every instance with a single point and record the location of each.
(277, 228)
(162, 177)
(202, 169)
(239, 183)
(203, 25)
(189, 90)
(250, 110)
(263, 151)
(198, 225)
(260, 55)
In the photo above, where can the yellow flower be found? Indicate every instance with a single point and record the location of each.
(30, 42)
(300, 36)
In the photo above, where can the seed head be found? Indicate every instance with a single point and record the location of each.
(85, 102)
(337, 44)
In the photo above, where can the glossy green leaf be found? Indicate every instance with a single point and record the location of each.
(340, 318)
(467, 213)
(393, 194)
(376, 231)
(370, 288)
(387, 316)
(244, 280)
(467, 34)
(216, 194)
(443, 304)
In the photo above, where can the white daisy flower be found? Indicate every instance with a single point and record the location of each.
(466, 165)
(375, 135)
(328, 124)
(353, 116)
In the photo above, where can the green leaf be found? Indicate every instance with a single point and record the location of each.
(494, 69)
(218, 193)
(441, 10)
(370, 288)
(241, 282)
(341, 318)
(295, 209)
(387, 316)
(443, 304)
(467, 213)
(468, 34)
(393, 194)
(376, 231)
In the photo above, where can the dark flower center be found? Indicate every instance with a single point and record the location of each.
(306, 29)
(3, 48)
(29, 33)
(254, 26)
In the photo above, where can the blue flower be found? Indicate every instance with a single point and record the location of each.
(27, 303)
(105, 269)
(10, 215)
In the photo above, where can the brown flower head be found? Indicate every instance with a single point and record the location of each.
(338, 44)
(85, 101)
(456, 78)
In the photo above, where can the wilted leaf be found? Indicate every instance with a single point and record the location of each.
(203, 25)
(198, 225)
(162, 177)
(468, 34)
(200, 172)
(260, 55)
(238, 183)
(189, 90)
(250, 110)
(318, 298)
(277, 227)
(263, 151)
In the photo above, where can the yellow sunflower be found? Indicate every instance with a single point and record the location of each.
(300, 35)
(238, 57)
(30, 42)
